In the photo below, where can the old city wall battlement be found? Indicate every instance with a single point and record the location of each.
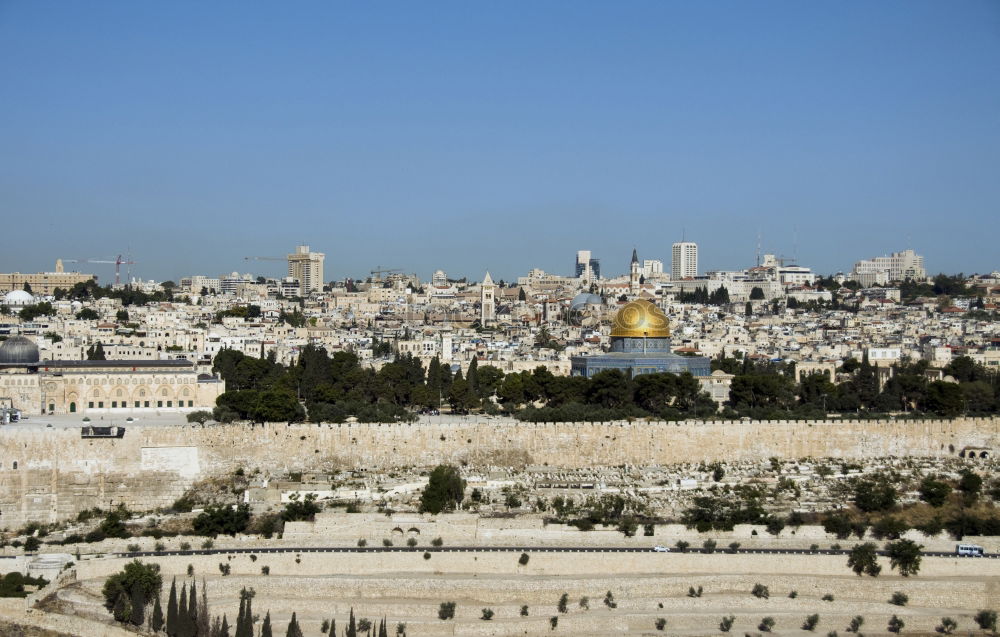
(58, 474)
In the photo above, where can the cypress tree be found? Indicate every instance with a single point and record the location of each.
(216, 627)
(293, 628)
(204, 618)
(224, 629)
(239, 616)
(248, 617)
(265, 629)
(182, 613)
(172, 610)
(138, 615)
(472, 376)
(352, 629)
(156, 621)
(193, 609)
(333, 627)
(434, 379)
(866, 381)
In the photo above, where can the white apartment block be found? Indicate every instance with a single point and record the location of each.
(898, 266)
(652, 268)
(307, 267)
(684, 260)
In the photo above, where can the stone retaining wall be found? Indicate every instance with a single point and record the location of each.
(58, 474)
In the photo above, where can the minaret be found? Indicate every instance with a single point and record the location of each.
(634, 274)
(487, 301)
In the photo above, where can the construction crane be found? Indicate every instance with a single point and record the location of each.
(265, 258)
(119, 261)
(379, 271)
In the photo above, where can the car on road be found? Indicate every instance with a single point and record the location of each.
(659, 548)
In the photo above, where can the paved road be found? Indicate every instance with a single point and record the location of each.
(509, 549)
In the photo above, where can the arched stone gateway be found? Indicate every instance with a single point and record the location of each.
(806, 368)
(974, 453)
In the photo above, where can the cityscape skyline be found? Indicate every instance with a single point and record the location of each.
(498, 138)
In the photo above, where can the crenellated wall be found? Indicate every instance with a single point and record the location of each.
(59, 474)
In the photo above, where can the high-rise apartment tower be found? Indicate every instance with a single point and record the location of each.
(684, 260)
(307, 267)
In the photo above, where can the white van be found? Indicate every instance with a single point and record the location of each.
(969, 550)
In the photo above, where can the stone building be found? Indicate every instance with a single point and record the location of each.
(44, 283)
(100, 387)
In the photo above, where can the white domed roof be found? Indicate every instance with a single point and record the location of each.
(18, 298)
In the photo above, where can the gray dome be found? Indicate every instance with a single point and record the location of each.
(586, 298)
(18, 350)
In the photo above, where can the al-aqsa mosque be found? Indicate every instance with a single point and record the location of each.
(640, 344)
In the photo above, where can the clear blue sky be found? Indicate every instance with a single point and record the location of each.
(498, 135)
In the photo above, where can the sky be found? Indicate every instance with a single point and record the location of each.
(500, 136)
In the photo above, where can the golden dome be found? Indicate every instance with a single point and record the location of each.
(640, 319)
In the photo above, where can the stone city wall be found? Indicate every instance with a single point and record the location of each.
(51, 474)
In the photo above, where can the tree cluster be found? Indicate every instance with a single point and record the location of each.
(766, 390)
(702, 295)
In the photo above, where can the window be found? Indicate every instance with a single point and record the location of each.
(90, 405)
(100, 404)
(170, 403)
(190, 403)
(159, 403)
(145, 404)
(136, 404)
(114, 404)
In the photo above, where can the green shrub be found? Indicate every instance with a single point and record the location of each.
(760, 591)
(947, 626)
(899, 598)
(987, 620)
(446, 611)
(856, 623)
(145, 577)
(609, 600)
(895, 625)
(562, 605)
